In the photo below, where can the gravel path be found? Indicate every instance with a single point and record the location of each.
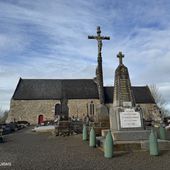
(26, 150)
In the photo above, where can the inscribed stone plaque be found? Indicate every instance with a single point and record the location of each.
(130, 119)
(127, 104)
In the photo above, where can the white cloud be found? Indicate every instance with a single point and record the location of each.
(49, 40)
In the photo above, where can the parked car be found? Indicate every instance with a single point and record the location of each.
(46, 128)
(47, 122)
(6, 128)
(13, 126)
(23, 123)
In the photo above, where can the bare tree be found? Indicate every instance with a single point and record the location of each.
(3, 115)
(159, 99)
(1, 112)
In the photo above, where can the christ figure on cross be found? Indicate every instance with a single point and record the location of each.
(99, 39)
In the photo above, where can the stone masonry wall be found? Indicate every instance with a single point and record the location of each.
(150, 112)
(29, 110)
(78, 107)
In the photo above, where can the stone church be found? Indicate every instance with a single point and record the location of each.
(36, 100)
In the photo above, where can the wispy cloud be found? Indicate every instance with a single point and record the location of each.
(48, 39)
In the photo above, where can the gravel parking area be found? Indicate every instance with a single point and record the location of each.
(26, 150)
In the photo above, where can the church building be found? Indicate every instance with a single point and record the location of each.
(36, 100)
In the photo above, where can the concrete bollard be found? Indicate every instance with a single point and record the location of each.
(162, 133)
(153, 144)
(92, 142)
(84, 133)
(108, 146)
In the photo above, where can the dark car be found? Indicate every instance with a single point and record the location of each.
(6, 128)
(23, 123)
(13, 126)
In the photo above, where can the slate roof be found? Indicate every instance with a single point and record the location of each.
(50, 89)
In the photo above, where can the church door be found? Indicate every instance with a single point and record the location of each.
(40, 119)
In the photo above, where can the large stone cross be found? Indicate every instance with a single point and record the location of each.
(120, 56)
(99, 39)
(99, 70)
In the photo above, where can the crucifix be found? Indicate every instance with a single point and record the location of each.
(99, 39)
(120, 56)
(99, 71)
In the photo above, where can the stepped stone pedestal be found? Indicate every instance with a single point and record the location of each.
(127, 125)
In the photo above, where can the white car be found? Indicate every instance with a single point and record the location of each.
(47, 128)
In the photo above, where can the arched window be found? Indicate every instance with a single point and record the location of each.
(58, 109)
(91, 108)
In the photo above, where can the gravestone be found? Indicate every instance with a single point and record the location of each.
(126, 119)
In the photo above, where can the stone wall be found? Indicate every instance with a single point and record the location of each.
(30, 109)
(78, 107)
(150, 111)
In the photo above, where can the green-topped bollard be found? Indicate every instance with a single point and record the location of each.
(84, 133)
(153, 144)
(92, 142)
(108, 146)
(162, 133)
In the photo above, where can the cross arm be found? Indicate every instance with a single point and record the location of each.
(98, 37)
(92, 37)
(105, 38)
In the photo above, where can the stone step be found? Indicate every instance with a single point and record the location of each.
(128, 135)
(132, 146)
(163, 144)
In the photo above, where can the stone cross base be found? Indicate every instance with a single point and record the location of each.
(102, 114)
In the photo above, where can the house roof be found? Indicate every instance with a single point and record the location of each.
(50, 89)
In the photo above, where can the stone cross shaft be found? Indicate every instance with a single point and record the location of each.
(120, 56)
(99, 71)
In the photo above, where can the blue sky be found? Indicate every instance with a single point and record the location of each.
(48, 39)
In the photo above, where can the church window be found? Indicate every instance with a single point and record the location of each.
(91, 108)
(58, 109)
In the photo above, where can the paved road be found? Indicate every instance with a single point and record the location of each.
(26, 150)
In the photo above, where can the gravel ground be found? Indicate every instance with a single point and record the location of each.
(26, 150)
